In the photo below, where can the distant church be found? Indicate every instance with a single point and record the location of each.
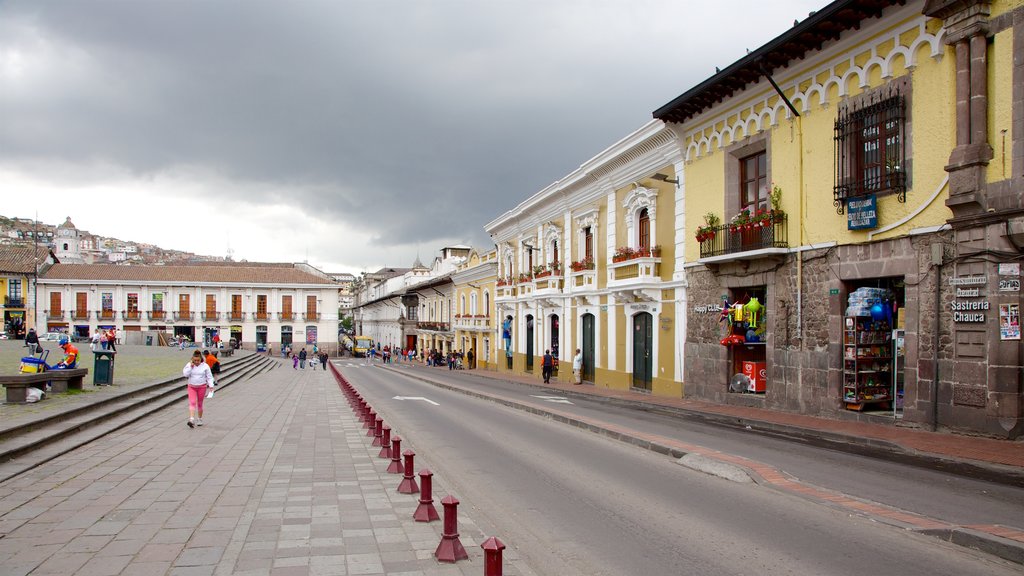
(66, 244)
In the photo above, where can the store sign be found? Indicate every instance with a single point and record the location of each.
(969, 311)
(968, 281)
(862, 213)
(708, 309)
(1009, 284)
(968, 292)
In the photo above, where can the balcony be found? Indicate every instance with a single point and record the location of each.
(108, 315)
(547, 285)
(54, 314)
(80, 314)
(187, 316)
(261, 316)
(210, 315)
(286, 316)
(477, 323)
(10, 302)
(747, 242)
(311, 317)
(236, 316)
(638, 270)
(583, 280)
(131, 315)
(432, 326)
(156, 315)
(505, 291)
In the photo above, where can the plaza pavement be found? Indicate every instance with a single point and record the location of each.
(281, 480)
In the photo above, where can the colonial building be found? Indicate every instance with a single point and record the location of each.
(476, 332)
(591, 262)
(854, 217)
(256, 304)
(19, 268)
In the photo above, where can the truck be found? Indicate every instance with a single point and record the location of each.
(362, 345)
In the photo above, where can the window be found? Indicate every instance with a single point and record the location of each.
(644, 230)
(261, 306)
(554, 251)
(472, 304)
(311, 305)
(871, 137)
(588, 244)
(211, 305)
(158, 302)
(133, 302)
(754, 182)
(106, 305)
(184, 304)
(412, 313)
(55, 308)
(14, 289)
(487, 303)
(286, 306)
(462, 304)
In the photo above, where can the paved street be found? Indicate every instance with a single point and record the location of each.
(281, 480)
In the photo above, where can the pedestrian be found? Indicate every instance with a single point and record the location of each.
(103, 338)
(211, 360)
(198, 377)
(314, 359)
(295, 362)
(577, 367)
(32, 341)
(469, 359)
(323, 359)
(270, 350)
(546, 365)
(112, 340)
(302, 358)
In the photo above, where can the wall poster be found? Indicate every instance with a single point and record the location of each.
(1009, 321)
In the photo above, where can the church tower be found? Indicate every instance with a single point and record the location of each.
(66, 244)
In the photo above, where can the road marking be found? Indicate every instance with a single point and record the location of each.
(553, 399)
(416, 398)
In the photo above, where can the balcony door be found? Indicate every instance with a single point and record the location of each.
(588, 347)
(529, 343)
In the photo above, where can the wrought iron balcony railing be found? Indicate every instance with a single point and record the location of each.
(80, 314)
(183, 315)
(131, 315)
(11, 302)
(730, 239)
(156, 315)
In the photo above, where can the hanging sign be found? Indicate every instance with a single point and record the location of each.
(862, 213)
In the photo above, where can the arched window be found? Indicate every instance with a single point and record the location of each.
(472, 304)
(644, 230)
(487, 303)
(588, 244)
(462, 305)
(554, 252)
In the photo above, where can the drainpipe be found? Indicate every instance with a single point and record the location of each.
(935, 342)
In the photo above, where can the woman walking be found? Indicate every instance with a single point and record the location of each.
(197, 374)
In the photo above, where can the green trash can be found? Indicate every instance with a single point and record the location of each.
(103, 367)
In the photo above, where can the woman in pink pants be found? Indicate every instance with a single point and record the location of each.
(197, 374)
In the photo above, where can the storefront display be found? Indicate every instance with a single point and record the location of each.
(745, 335)
(868, 351)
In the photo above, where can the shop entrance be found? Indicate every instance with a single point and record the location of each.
(553, 331)
(745, 337)
(873, 345)
(286, 337)
(642, 342)
(261, 338)
(186, 331)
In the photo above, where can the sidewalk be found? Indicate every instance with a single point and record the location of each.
(997, 456)
(281, 480)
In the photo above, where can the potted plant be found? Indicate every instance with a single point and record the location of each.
(581, 265)
(775, 199)
(623, 253)
(740, 221)
(710, 226)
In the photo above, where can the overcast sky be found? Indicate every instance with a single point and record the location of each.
(349, 134)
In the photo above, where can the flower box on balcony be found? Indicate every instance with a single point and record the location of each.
(581, 265)
(626, 253)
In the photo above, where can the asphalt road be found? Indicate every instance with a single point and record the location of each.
(573, 502)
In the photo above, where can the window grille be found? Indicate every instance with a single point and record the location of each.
(870, 148)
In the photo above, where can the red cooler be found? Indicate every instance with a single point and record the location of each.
(758, 374)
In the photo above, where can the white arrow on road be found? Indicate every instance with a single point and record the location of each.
(555, 399)
(416, 398)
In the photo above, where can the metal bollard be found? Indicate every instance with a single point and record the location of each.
(396, 462)
(426, 512)
(378, 431)
(408, 483)
(385, 444)
(492, 556)
(450, 549)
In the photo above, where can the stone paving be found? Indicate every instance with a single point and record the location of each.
(281, 480)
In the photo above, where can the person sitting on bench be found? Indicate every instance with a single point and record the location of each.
(70, 355)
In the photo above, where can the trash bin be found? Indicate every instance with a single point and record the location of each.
(103, 367)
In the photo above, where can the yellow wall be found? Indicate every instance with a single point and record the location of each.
(1000, 111)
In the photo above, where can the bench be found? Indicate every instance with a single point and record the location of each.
(17, 385)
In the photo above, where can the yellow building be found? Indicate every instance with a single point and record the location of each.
(590, 263)
(854, 200)
(473, 285)
(19, 269)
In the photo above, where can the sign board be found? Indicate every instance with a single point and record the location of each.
(1009, 269)
(833, 291)
(862, 213)
(1009, 284)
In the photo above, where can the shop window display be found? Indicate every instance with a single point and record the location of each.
(872, 347)
(745, 333)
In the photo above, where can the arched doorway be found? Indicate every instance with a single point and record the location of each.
(588, 347)
(643, 336)
(529, 342)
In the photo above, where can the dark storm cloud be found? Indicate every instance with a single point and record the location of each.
(415, 121)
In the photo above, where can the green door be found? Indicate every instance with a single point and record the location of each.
(588, 347)
(643, 337)
(529, 343)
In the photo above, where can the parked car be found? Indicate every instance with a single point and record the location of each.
(51, 337)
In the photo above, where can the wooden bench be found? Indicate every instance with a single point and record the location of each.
(17, 385)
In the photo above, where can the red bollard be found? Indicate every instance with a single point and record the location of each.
(396, 462)
(408, 483)
(492, 556)
(385, 450)
(426, 512)
(450, 549)
(371, 423)
(378, 431)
